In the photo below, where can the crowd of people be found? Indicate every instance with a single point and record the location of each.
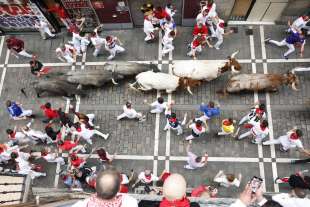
(73, 132)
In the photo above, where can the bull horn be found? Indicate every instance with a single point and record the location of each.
(294, 87)
(234, 54)
(189, 90)
(113, 81)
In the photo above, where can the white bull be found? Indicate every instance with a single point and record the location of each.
(149, 80)
(205, 70)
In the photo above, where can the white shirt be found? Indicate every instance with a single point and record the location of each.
(127, 201)
(97, 41)
(84, 41)
(148, 26)
(67, 51)
(290, 143)
(257, 131)
(300, 23)
(196, 131)
(191, 160)
(159, 106)
(212, 11)
(167, 40)
(224, 182)
(287, 201)
(201, 19)
(219, 30)
(23, 163)
(142, 177)
(130, 112)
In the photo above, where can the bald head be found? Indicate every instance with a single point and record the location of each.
(107, 184)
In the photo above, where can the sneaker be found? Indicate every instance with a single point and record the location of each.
(285, 57)
(282, 149)
(217, 48)
(276, 180)
(267, 40)
(253, 141)
(110, 57)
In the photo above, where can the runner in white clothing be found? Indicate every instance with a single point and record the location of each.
(158, 106)
(148, 28)
(259, 131)
(87, 132)
(130, 113)
(193, 161)
(289, 141)
(66, 53)
(36, 135)
(97, 41)
(220, 33)
(197, 130)
(299, 23)
(50, 156)
(168, 42)
(112, 47)
(44, 29)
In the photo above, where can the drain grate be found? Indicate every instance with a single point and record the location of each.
(249, 32)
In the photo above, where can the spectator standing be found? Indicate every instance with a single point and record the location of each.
(17, 47)
(107, 188)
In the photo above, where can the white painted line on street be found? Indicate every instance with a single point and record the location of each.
(259, 147)
(220, 159)
(157, 118)
(249, 23)
(4, 70)
(269, 115)
(1, 44)
(301, 60)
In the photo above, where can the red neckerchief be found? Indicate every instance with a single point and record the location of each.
(43, 154)
(199, 127)
(148, 177)
(294, 136)
(97, 202)
(259, 111)
(79, 129)
(12, 135)
(172, 120)
(209, 6)
(304, 18)
(184, 202)
(221, 25)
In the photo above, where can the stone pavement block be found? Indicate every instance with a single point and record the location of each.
(199, 176)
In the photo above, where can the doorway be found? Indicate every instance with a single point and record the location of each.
(241, 10)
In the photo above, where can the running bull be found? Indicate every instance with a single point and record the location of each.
(129, 68)
(149, 80)
(206, 70)
(260, 82)
(57, 87)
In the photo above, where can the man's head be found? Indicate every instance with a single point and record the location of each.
(262, 106)
(172, 33)
(211, 104)
(173, 115)
(264, 123)
(9, 131)
(107, 184)
(174, 187)
(299, 132)
(198, 123)
(271, 203)
(128, 104)
(108, 39)
(205, 12)
(48, 105)
(160, 100)
(14, 155)
(8, 103)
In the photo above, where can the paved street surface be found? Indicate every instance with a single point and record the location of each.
(145, 145)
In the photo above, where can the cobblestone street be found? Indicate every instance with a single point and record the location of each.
(141, 145)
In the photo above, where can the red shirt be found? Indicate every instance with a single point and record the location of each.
(161, 14)
(196, 43)
(15, 44)
(123, 188)
(203, 30)
(77, 162)
(59, 11)
(49, 113)
(184, 202)
(67, 145)
(196, 192)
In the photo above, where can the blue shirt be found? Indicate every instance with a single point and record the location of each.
(210, 112)
(294, 37)
(15, 110)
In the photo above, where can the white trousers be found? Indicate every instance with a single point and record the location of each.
(113, 51)
(291, 47)
(25, 54)
(219, 41)
(135, 116)
(167, 48)
(149, 36)
(69, 58)
(178, 128)
(244, 119)
(192, 51)
(277, 141)
(26, 113)
(59, 160)
(45, 30)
